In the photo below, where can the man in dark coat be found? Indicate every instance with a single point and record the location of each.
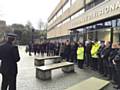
(67, 50)
(116, 62)
(9, 56)
(105, 55)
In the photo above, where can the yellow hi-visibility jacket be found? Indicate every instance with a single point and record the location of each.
(80, 53)
(94, 50)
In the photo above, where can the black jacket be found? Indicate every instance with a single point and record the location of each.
(117, 58)
(10, 56)
(106, 53)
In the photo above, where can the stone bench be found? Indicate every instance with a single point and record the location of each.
(90, 84)
(44, 72)
(41, 61)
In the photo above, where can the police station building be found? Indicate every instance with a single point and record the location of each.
(85, 20)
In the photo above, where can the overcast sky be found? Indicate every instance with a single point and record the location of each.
(21, 11)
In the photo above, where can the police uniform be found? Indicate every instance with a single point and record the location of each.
(80, 57)
(94, 53)
(117, 67)
(9, 56)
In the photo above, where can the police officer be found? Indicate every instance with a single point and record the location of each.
(116, 62)
(105, 55)
(67, 50)
(9, 56)
(80, 56)
(100, 53)
(94, 52)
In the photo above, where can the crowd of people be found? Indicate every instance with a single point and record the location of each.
(100, 56)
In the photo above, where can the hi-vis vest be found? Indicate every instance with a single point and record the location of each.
(94, 50)
(80, 53)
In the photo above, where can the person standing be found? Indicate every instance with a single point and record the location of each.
(9, 56)
(73, 52)
(116, 62)
(105, 55)
(100, 53)
(30, 45)
(35, 45)
(67, 50)
(88, 53)
(61, 52)
(94, 52)
(112, 71)
(80, 56)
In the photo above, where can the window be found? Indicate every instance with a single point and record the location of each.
(59, 13)
(118, 22)
(51, 21)
(89, 6)
(114, 23)
(116, 35)
(54, 18)
(67, 20)
(66, 6)
(98, 1)
(78, 13)
(73, 1)
(108, 23)
(59, 25)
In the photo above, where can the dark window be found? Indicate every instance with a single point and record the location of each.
(114, 23)
(98, 1)
(118, 22)
(92, 4)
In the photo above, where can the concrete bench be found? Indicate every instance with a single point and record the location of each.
(41, 61)
(90, 84)
(44, 72)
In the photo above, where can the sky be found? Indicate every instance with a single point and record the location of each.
(22, 11)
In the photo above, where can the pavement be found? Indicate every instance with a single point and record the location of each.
(26, 79)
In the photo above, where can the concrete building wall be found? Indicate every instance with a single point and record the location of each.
(63, 29)
(57, 9)
(60, 27)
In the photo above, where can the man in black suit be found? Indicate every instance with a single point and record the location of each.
(9, 56)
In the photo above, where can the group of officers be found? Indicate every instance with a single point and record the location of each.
(100, 56)
(49, 48)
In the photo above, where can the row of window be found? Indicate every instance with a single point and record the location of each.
(90, 4)
(64, 8)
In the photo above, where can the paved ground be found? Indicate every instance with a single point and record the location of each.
(26, 77)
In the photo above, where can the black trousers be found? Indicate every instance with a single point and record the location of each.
(88, 58)
(80, 63)
(8, 81)
(95, 63)
(117, 67)
(106, 67)
(100, 66)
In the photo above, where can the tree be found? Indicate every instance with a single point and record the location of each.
(41, 25)
(28, 26)
(43, 29)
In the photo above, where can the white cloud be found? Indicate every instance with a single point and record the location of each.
(20, 11)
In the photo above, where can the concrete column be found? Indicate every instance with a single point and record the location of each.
(38, 62)
(68, 69)
(43, 75)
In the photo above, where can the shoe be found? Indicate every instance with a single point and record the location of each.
(116, 87)
(104, 75)
(114, 83)
(108, 79)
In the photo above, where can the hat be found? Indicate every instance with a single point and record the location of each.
(11, 35)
